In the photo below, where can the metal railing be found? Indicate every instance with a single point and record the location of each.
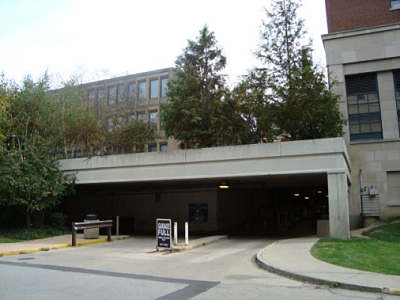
(90, 225)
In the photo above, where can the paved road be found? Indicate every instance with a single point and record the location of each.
(128, 270)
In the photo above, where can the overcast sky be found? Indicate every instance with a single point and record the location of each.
(131, 36)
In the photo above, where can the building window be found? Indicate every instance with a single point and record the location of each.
(132, 92)
(131, 117)
(363, 107)
(154, 118)
(111, 95)
(397, 90)
(120, 122)
(120, 94)
(154, 89)
(164, 87)
(395, 4)
(91, 96)
(110, 125)
(141, 117)
(100, 97)
(142, 90)
(163, 147)
(153, 148)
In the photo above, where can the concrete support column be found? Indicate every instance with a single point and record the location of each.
(339, 220)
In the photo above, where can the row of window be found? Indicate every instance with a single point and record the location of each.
(130, 92)
(140, 116)
(365, 122)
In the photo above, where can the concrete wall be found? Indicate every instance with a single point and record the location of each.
(302, 157)
(364, 51)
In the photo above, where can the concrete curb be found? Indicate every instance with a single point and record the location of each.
(61, 246)
(318, 281)
(191, 247)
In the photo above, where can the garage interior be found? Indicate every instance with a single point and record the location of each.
(274, 205)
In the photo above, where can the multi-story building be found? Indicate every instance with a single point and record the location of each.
(135, 96)
(363, 57)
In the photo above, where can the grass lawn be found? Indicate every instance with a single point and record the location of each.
(380, 254)
(23, 234)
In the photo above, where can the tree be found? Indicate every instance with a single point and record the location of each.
(31, 180)
(200, 112)
(289, 93)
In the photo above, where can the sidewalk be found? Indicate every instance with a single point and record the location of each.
(65, 241)
(292, 258)
(57, 242)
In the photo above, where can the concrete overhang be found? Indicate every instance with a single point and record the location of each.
(246, 161)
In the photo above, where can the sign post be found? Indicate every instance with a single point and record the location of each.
(163, 234)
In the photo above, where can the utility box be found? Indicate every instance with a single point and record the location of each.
(92, 233)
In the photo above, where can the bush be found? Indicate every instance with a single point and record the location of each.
(58, 220)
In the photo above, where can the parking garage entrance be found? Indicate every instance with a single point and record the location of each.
(266, 205)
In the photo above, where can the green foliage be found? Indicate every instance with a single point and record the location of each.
(200, 112)
(361, 254)
(23, 234)
(132, 134)
(388, 233)
(288, 96)
(31, 180)
(58, 220)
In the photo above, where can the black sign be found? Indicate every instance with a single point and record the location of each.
(163, 233)
(198, 213)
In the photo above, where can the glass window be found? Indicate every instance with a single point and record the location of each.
(132, 92)
(100, 97)
(131, 117)
(141, 117)
(110, 125)
(91, 96)
(363, 107)
(153, 148)
(397, 88)
(154, 118)
(164, 147)
(120, 122)
(142, 91)
(120, 94)
(164, 87)
(154, 89)
(111, 95)
(395, 3)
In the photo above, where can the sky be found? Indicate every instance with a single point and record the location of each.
(98, 39)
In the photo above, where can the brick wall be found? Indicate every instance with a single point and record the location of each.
(355, 14)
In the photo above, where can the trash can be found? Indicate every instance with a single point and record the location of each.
(92, 233)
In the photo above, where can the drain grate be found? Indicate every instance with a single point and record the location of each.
(26, 258)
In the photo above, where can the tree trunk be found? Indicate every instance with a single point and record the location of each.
(28, 220)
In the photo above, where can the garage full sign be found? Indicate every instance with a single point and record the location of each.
(163, 234)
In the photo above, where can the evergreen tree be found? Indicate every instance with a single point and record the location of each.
(289, 94)
(200, 112)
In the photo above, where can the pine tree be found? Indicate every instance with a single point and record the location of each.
(290, 96)
(200, 112)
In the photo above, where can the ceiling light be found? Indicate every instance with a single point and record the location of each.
(306, 198)
(319, 192)
(224, 186)
(296, 195)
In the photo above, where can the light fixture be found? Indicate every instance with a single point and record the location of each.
(224, 186)
(306, 198)
(319, 192)
(296, 195)
(327, 196)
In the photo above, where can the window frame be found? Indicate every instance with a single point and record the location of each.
(111, 100)
(394, 4)
(359, 106)
(157, 87)
(163, 92)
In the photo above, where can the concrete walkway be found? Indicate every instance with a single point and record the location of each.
(56, 242)
(292, 258)
(64, 241)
